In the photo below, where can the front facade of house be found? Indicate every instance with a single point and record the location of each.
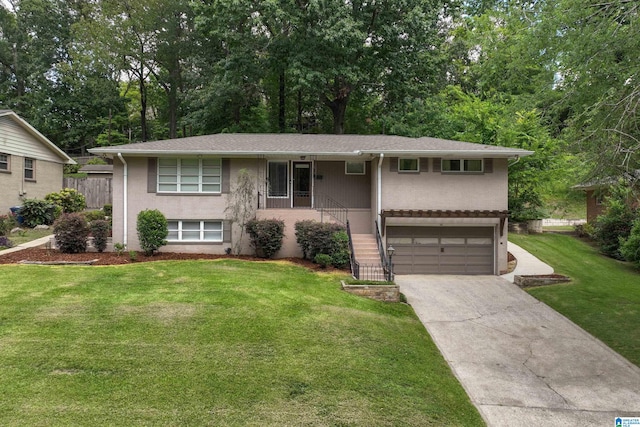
(441, 204)
(31, 166)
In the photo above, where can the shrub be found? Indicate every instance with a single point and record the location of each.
(100, 230)
(37, 212)
(7, 223)
(323, 259)
(133, 256)
(614, 225)
(266, 236)
(340, 250)
(107, 209)
(69, 199)
(630, 246)
(71, 231)
(316, 237)
(583, 230)
(119, 248)
(5, 242)
(93, 215)
(152, 230)
(97, 161)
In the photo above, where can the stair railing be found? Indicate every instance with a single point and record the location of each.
(355, 265)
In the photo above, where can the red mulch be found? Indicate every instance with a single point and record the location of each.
(112, 258)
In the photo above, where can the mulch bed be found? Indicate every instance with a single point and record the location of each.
(112, 258)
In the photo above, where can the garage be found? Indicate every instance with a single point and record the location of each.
(442, 250)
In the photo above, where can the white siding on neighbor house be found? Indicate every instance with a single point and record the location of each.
(15, 140)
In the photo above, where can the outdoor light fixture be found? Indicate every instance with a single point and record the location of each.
(391, 250)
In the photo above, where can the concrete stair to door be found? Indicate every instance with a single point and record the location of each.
(366, 253)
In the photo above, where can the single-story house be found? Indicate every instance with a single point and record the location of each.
(31, 166)
(441, 204)
(597, 190)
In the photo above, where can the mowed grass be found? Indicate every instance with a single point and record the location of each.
(603, 297)
(217, 343)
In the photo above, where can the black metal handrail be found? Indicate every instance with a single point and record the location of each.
(385, 260)
(355, 266)
(324, 203)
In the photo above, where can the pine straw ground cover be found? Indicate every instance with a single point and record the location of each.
(213, 342)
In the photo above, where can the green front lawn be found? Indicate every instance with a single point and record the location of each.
(604, 296)
(222, 342)
(27, 235)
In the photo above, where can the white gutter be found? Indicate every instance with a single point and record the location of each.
(125, 197)
(379, 190)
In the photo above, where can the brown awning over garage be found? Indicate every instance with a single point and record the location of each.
(420, 213)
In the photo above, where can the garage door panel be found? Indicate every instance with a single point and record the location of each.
(442, 250)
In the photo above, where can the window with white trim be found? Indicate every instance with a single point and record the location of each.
(189, 175)
(462, 165)
(194, 231)
(354, 168)
(4, 162)
(408, 165)
(29, 169)
(278, 179)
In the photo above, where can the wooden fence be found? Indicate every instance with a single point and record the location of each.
(97, 191)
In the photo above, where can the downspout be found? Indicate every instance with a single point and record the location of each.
(379, 190)
(125, 197)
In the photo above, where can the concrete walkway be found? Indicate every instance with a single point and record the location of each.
(527, 264)
(32, 244)
(522, 363)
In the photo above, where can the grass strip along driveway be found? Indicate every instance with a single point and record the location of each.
(603, 296)
(222, 342)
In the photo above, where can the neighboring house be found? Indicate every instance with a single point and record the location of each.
(31, 166)
(441, 204)
(596, 191)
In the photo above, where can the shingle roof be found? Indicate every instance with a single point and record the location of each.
(244, 144)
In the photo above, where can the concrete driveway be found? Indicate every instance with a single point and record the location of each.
(521, 362)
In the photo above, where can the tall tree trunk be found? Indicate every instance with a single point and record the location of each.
(143, 107)
(338, 105)
(299, 110)
(281, 106)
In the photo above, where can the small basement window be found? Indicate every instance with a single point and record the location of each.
(4, 163)
(354, 168)
(462, 165)
(408, 165)
(194, 231)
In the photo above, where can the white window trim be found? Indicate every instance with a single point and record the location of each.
(417, 170)
(32, 169)
(462, 162)
(7, 162)
(201, 230)
(346, 167)
(287, 179)
(179, 174)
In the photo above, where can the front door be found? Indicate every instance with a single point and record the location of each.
(301, 184)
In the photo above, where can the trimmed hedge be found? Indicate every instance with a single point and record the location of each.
(71, 231)
(316, 237)
(100, 230)
(266, 236)
(152, 229)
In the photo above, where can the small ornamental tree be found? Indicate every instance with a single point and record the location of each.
(266, 236)
(71, 231)
(152, 230)
(241, 205)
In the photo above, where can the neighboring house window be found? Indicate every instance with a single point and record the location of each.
(189, 175)
(462, 165)
(29, 169)
(278, 179)
(194, 231)
(354, 168)
(5, 165)
(408, 165)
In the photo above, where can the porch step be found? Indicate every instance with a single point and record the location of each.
(365, 249)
